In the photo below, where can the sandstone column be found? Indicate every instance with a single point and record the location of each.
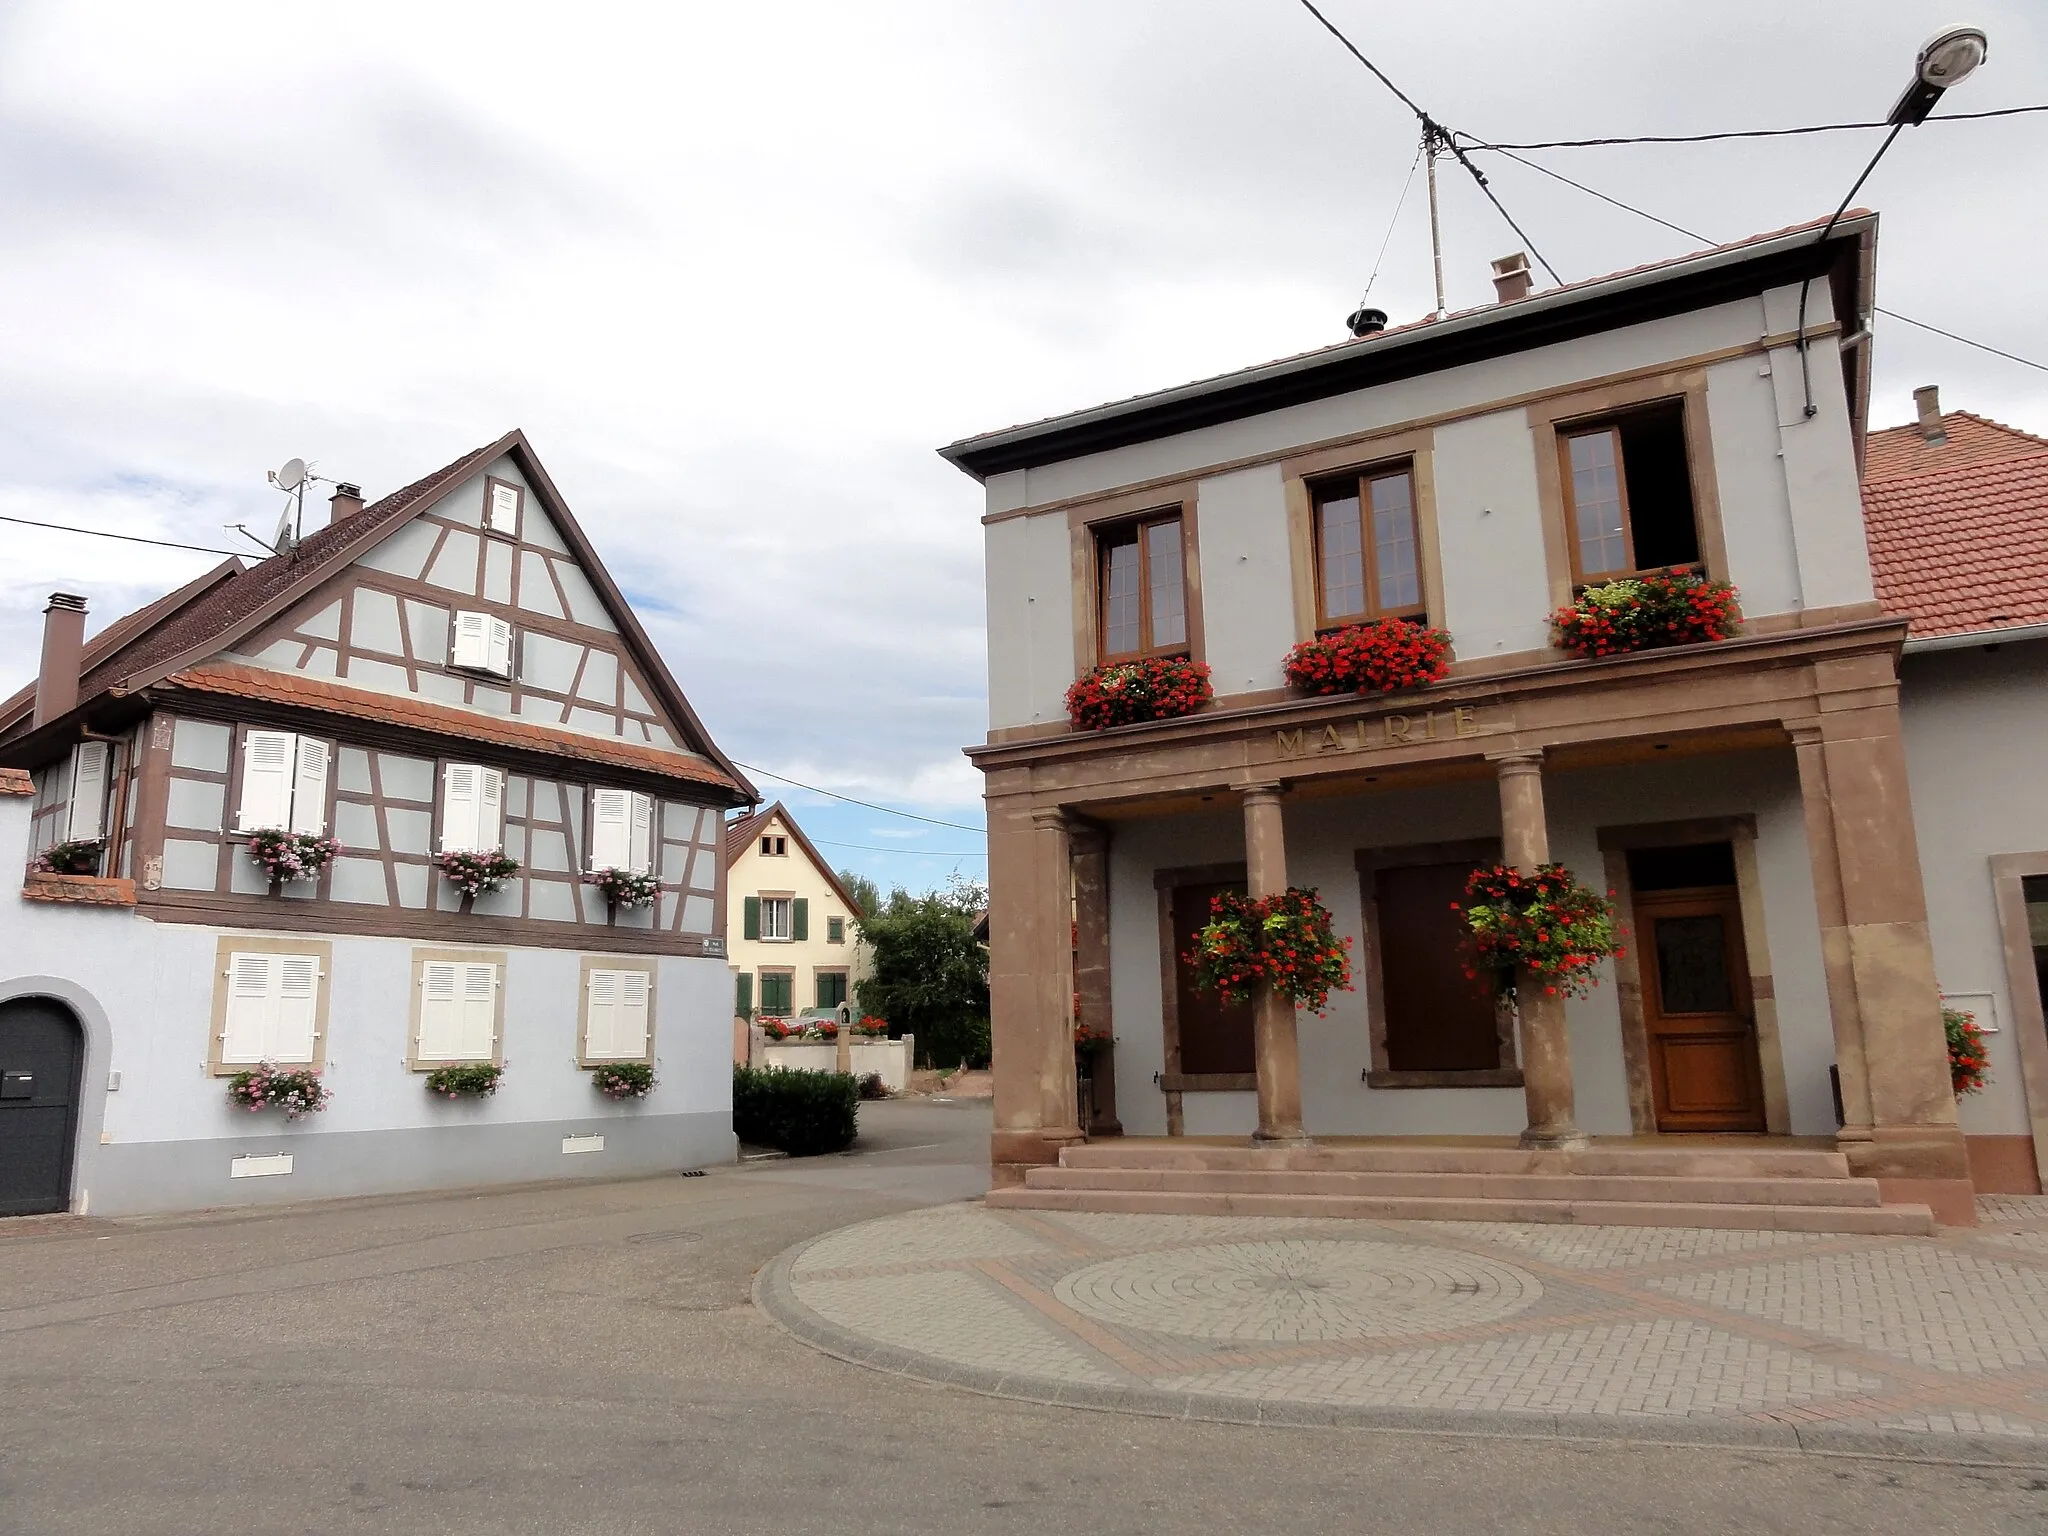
(1028, 939)
(1058, 1094)
(1545, 1042)
(1090, 841)
(1847, 1024)
(1278, 1051)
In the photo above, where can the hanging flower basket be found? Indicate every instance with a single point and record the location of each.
(623, 888)
(477, 874)
(1129, 692)
(623, 1079)
(1091, 1042)
(291, 855)
(1381, 657)
(1541, 921)
(1969, 1059)
(1287, 942)
(1645, 612)
(79, 856)
(297, 1092)
(470, 1080)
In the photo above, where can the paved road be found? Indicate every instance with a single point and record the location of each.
(586, 1359)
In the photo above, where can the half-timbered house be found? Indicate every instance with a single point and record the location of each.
(446, 670)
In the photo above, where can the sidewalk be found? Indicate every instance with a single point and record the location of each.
(1913, 1346)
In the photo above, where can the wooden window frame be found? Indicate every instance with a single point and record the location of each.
(761, 974)
(1140, 527)
(835, 929)
(491, 483)
(611, 963)
(217, 1021)
(1361, 456)
(1086, 521)
(1361, 480)
(788, 900)
(773, 847)
(414, 1062)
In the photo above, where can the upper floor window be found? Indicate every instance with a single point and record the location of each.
(1141, 578)
(1368, 553)
(1628, 492)
(472, 808)
(284, 782)
(775, 847)
(621, 830)
(835, 930)
(482, 643)
(501, 507)
(775, 917)
(778, 919)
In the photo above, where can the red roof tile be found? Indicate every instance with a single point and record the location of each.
(1966, 439)
(15, 781)
(1964, 547)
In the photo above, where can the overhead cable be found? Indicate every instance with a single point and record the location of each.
(1751, 133)
(132, 538)
(833, 794)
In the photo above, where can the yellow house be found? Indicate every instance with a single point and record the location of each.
(793, 944)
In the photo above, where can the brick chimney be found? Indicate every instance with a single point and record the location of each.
(1511, 279)
(1927, 400)
(345, 503)
(63, 645)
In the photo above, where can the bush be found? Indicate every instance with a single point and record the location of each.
(959, 1042)
(872, 1086)
(801, 1113)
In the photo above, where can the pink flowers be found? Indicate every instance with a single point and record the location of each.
(291, 855)
(624, 888)
(477, 873)
(623, 1080)
(266, 1086)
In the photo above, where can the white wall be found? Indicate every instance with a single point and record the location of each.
(1247, 578)
(1496, 590)
(1030, 620)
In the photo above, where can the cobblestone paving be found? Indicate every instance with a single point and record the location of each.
(1906, 1337)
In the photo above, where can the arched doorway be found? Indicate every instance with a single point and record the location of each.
(42, 1052)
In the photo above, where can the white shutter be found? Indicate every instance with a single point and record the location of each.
(309, 787)
(472, 641)
(498, 651)
(440, 1011)
(459, 807)
(610, 818)
(86, 818)
(629, 1027)
(600, 1026)
(503, 516)
(267, 761)
(479, 1013)
(640, 845)
(252, 1009)
(490, 809)
(297, 993)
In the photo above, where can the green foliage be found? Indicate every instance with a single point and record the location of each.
(930, 974)
(623, 1079)
(872, 1086)
(867, 896)
(472, 1079)
(801, 1113)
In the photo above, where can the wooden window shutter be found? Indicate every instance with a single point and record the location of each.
(246, 1030)
(601, 1016)
(440, 1011)
(750, 918)
(472, 646)
(479, 1030)
(490, 809)
(640, 845)
(629, 1027)
(309, 787)
(268, 758)
(498, 648)
(610, 841)
(294, 1034)
(503, 516)
(743, 997)
(87, 815)
(800, 919)
(459, 807)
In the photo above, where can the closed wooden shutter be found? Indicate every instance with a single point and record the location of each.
(640, 845)
(479, 1030)
(629, 1038)
(775, 994)
(800, 919)
(498, 653)
(267, 763)
(600, 1019)
(86, 817)
(743, 996)
(504, 511)
(472, 646)
(490, 809)
(252, 1007)
(294, 1033)
(309, 787)
(440, 1010)
(750, 918)
(610, 829)
(460, 804)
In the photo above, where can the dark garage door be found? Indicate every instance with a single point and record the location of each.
(41, 1051)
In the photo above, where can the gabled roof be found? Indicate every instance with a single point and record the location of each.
(1967, 438)
(740, 835)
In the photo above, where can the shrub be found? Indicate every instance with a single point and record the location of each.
(298, 1092)
(1379, 657)
(470, 1080)
(930, 973)
(1127, 692)
(79, 856)
(801, 1113)
(1287, 941)
(1663, 608)
(291, 855)
(623, 1079)
(957, 1042)
(477, 873)
(1541, 921)
(872, 1086)
(1969, 1061)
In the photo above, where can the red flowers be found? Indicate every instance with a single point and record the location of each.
(1543, 922)
(1969, 1059)
(1127, 692)
(1286, 941)
(1663, 608)
(1379, 657)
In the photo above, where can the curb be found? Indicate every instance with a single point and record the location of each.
(775, 1296)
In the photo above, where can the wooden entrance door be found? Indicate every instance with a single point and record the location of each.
(1215, 1037)
(1704, 1068)
(41, 1052)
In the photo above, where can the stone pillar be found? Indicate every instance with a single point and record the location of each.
(1030, 987)
(1058, 1093)
(1090, 842)
(1546, 1048)
(1882, 994)
(1277, 1050)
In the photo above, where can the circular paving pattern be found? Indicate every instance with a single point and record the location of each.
(1301, 1289)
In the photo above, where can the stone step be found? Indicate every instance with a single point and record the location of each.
(1881, 1221)
(1723, 1162)
(1654, 1190)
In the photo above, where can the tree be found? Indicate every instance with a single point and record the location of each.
(867, 896)
(930, 974)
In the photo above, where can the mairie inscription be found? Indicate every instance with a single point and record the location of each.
(1399, 728)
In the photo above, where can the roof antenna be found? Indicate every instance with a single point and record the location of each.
(292, 479)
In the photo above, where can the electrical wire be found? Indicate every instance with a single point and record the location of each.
(929, 853)
(1981, 346)
(132, 538)
(833, 794)
(1399, 203)
(1752, 133)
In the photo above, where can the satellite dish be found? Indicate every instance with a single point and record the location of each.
(291, 477)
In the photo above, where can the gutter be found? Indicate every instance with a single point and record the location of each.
(2011, 635)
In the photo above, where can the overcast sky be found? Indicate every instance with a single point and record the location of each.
(738, 270)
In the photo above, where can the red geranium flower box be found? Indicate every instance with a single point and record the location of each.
(1645, 612)
(1379, 657)
(1129, 692)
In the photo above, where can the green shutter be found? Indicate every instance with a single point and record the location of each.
(750, 921)
(800, 919)
(743, 1005)
(831, 988)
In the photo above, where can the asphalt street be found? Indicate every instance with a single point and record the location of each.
(571, 1359)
